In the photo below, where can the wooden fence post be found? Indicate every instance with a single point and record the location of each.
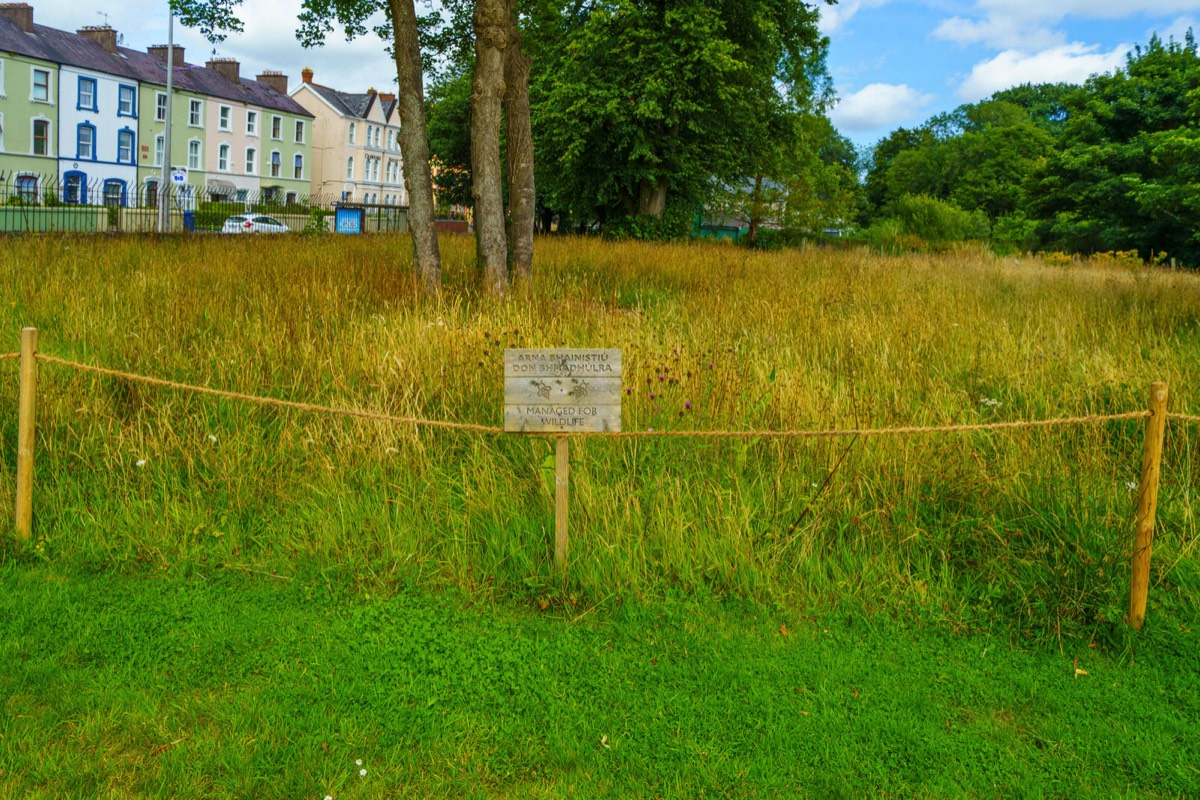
(1139, 581)
(562, 468)
(25, 429)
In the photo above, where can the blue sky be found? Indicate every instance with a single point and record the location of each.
(894, 62)
(897, 62)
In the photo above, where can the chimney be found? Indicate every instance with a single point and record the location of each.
(276, 80)
(227, 67)
(306, 73)
(388, 97)
(102, 35)
(159, 51)
(20, 13)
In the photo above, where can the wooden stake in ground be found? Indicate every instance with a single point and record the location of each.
(1139, 582)
(562, 471)
(25, 429)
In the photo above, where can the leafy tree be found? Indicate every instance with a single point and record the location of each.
(1126, 174)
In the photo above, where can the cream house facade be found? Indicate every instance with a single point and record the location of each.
(356, 144)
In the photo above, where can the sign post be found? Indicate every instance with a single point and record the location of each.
(561, 392)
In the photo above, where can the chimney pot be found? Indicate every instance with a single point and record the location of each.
(306, 74)
(275, 79)
(228, 68)
(159, 51)
(102, 35)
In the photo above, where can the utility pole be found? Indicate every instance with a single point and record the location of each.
(165, 189)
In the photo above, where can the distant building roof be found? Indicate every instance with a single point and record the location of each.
(74, 50)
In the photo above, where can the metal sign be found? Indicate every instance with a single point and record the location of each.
(562, 391)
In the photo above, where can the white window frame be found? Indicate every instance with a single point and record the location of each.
(196, 112)
(353, 132)
(251, 161)
(160, 106)
(297, 166)
(1, 130)
(160, 149)
(123, 90)
(223, 152)
(301, 131)
(81, 80)
(275, 164)
(195, 155)
(251, 122)
(33, 86)
(224, 118)
(350, 168)
(132, 146)
(277, 127)
(2, 93)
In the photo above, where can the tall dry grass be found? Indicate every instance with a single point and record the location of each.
(1031, 523)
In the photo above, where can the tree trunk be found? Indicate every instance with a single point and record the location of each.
(756, 209)
(414, 145)
(652, 198)
(487, 92)
(521, 194)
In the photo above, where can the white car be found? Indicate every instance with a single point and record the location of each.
(253, 223)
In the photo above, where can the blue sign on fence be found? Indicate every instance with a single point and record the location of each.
(348, 220)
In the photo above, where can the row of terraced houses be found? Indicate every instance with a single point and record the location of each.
(83, 119)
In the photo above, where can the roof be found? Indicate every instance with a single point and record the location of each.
(71, 49)
(349, 105)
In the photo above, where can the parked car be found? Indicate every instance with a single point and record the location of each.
(253, 223)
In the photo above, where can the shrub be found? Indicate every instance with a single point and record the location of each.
(937, 221)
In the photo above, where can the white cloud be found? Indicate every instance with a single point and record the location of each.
(1030, 24)
(834, 18)
(1070, 63)
(879, 105)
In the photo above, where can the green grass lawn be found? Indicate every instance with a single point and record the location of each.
(222, 600)
(219, 684)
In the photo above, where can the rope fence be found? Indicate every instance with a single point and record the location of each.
(1156, 417)
(911, 430)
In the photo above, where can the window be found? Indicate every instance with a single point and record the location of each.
(27, 188)
(1, 133)
(159, 150)
(353, 130)
(2, 77)
(152, 193)
(298, 167)
(299, 131)
(87, 95)
(160, 107)
(251, 160)
(276, 127)
(194, 154)
(350, 168)
(276, 164)
(252, 123)
(125, 146)
(74, 184)
(194, 113)
(225, 118)
(114, 192)
(126, 102)
(41, 137)
(41, 86)
(290, 198)
(223, 158)
(85, 142)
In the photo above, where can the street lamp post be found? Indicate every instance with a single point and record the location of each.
(165, 188)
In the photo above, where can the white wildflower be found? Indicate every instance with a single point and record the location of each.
(1130, 485)
(141, 462)
(990, 402)
(212, 438)
(363, 772)
(358, 762)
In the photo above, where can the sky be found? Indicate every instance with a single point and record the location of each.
(893, 62)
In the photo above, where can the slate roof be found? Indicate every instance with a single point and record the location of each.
(71, 49)
(351, 105)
